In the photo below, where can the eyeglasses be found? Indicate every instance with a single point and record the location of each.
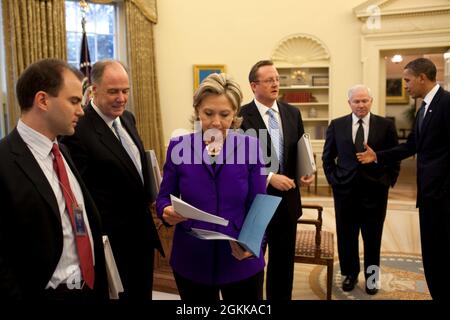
(268, 81)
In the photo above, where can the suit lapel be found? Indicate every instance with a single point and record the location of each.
(372, 130)
(429, 114)
(230, 152)
(286, 126)
(110, 141)
(254, 117)
(28, 164)
(348, 131)
(197, 150)
(256, 121)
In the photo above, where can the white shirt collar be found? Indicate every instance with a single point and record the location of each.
(263, 109)
(364, 119)
(35, 140)
(430, 95)
(108, 120)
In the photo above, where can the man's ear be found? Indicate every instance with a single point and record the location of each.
(41, 100)
(94, 89)
(422, 77)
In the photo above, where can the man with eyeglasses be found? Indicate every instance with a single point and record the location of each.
(360, 191)
(278, 126)
(109, 154)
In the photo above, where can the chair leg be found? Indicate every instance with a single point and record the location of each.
(329, 279)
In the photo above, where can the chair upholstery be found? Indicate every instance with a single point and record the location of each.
(315, 246)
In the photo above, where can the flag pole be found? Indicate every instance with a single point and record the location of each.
(85, 60)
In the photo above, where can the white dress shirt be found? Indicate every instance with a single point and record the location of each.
(68, 268)
(429, 97)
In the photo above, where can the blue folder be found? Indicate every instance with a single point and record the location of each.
(254, 227)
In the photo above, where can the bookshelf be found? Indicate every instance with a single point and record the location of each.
(307, 88)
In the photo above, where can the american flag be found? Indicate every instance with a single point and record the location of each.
(85, 59)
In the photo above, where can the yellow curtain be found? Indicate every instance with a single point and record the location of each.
(141, 62)
(33, 30)
(146, 7)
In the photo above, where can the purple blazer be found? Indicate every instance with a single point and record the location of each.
(226, 190)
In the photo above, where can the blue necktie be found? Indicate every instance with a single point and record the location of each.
(276, 136)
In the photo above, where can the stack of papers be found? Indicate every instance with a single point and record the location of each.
(186, 210)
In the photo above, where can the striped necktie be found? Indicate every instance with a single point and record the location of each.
(276, 136)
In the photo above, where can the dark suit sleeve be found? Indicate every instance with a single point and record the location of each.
(77, 151)
(329, 155)
(392, 141)
(401, 151)
(9, 287)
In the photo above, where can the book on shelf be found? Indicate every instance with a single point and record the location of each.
(298, 97)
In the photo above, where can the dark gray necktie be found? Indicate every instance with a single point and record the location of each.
(115, 126)
(421, 115)
(359, 138)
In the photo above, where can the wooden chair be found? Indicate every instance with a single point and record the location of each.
(315, 177)
(316, 246)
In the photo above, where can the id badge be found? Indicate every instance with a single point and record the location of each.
(80, 227)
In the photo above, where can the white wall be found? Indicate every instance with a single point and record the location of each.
(238, 33)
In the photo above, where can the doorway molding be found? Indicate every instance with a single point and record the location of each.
(398, 24)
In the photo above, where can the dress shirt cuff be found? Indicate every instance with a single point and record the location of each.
(268, 178)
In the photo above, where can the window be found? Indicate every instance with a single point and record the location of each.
(101, 29)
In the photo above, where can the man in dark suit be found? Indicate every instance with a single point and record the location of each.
(109, 154)
(360, 191)
(278, 126)
(430, 140)
(50, 237)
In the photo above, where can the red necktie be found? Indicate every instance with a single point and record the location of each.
(82, 240)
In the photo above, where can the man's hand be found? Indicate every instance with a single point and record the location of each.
(306, 180)
(281, 182)
(171, 217)
(367, 156)
(238, 252)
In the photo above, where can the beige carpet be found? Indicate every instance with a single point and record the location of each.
(402, 275)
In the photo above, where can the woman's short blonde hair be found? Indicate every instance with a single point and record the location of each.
(219, 84)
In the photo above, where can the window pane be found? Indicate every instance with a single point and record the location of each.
(73, 47)
(105, 46)
(92, 47)
(100, 28)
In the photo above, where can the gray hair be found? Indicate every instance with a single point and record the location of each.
(357, 87)
(220, 84)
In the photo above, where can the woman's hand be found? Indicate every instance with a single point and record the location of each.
(171, 217)
(238, 252)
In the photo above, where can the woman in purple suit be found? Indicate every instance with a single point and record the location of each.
(218, 171)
